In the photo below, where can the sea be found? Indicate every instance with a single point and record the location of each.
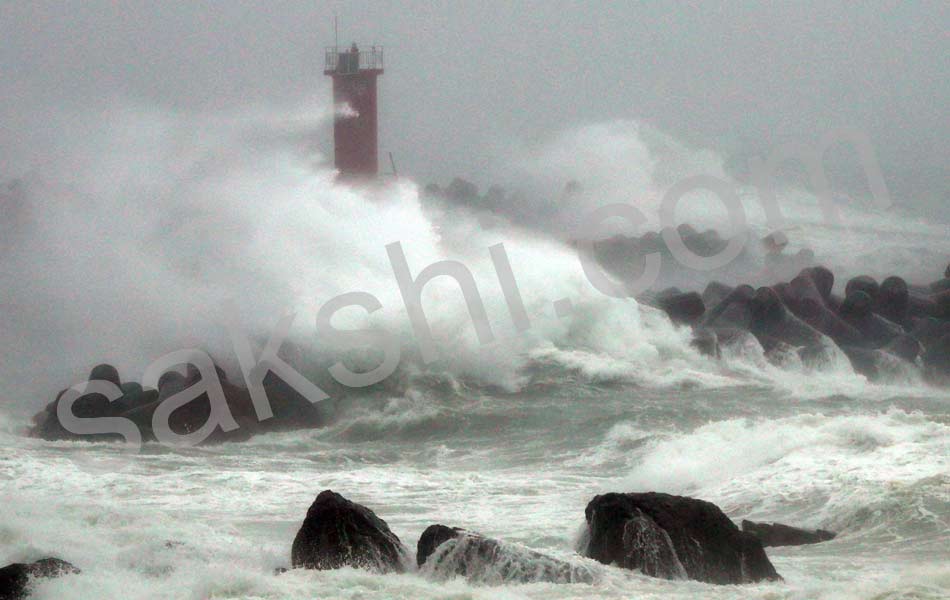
(510, 437)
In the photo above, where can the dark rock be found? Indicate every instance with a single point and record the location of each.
(893, 300)
(171, 382)
(864, 361)
(857, 311)
(105, 373)
(432, 538)
(448, 552)
(735, 310)
(904, 346)
(141, 416)
(715, 293)
(89, 406)
(96, 405)
(835, 301)
(784, 355)
(806, 302)
(781, 289)
(339, 533)
(46, 423)
(823, 279)
(683, 308)
(777, 534)
(133, 396)
(15, 578)
(920, 306)
(651, 242)
(863, 283)
(649, 549)
(706, 244)
(292, 410)
(943, 285)
(706, 342)
(686, 230)
(874, 364)
(193, 415)
(942, 308)
(825, 320)
(735, 337)
(813, 357)
(928, 331)
(666, 535)
(936, 360)
(771, 319)
(800, 288)
(856, 305)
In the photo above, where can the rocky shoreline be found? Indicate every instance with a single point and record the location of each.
(658, 535)
(884, 328)
(888, 329)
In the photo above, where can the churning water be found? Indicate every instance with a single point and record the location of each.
(510, 439)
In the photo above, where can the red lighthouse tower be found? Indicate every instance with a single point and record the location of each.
(354, 73)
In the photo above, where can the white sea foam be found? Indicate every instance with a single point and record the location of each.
(509, 439)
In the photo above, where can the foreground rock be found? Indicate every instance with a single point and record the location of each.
(339, 533)
(447, 552)
(777, 534)
(15, 579)
(673, 537)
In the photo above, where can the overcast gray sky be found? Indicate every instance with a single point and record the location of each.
(465, 78)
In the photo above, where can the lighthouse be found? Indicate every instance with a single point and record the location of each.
(355, 131)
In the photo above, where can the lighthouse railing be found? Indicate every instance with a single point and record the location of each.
(345, 60)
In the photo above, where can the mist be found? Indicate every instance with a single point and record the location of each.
(598, 327)
(160, 160)
(465, 80)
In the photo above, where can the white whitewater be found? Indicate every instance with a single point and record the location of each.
(511, 440)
